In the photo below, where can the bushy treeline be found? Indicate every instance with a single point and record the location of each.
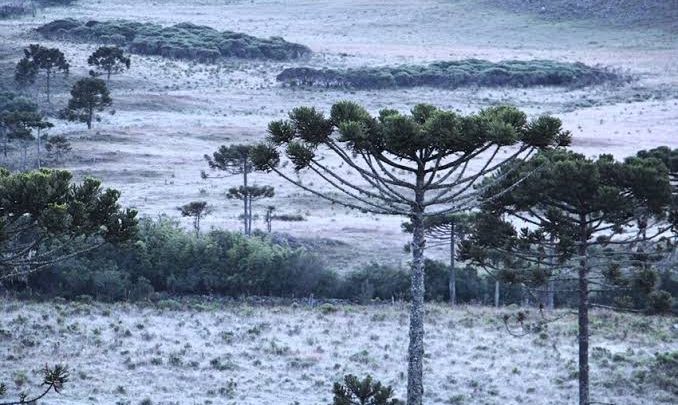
(453, 74)
(181, 41)
(165, 260)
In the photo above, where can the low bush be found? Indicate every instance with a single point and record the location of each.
(180, 41)
(453, 74)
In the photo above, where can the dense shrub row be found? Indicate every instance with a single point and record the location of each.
(182, 41)
(166, 259)
(468, 72)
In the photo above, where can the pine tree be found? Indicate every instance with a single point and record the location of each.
(88, 96)
(593, 215)
(414, 165)
(196, 210)
(110, 60)
(234, 160)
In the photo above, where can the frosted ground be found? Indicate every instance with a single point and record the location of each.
(168, 114)
(216, 353)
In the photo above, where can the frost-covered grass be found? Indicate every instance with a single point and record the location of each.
(209, 352)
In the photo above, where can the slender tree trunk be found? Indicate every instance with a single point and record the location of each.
(415, 369)
(90, 113)
(245, 210)
(249, 216)
(108, 77)
(583, 337)
(38, 148)
(551, 298)
(49, 74)
(551, 284)
(453, 271)
(5, 141)
(496, 293)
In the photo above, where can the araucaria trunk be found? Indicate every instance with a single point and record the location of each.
(583, 317)
(453, 271)
(415, 370)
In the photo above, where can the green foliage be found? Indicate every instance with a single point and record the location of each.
(167, 259)
(665, 371)
(468, 72)
(37, 58)
(109, 60)
(88, 96)
(659, 302)
(354, 391)
(57, 146)
(182, 41)
(44, 219)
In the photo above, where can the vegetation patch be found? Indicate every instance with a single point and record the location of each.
(453, 74)
(19, 7)
(180, 41)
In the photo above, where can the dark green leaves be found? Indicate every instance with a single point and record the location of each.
(300, 155)
(362, 392)
(264, 157)
(310, 125)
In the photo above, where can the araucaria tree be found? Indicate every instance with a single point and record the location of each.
(592, 215)
(416, 165)
(88, 96)
(37, 58)
(109, 60)
(196, 210)
(234, 160)
(45, 219)
(247, 195)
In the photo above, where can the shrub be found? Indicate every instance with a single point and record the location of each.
(659, 302)
(354, 391)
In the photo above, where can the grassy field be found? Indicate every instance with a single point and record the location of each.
(207, 352)
(169, 113)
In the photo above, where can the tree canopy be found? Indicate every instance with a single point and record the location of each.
(45, 218)
(88, 96)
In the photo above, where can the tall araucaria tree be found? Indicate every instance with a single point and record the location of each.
(45, 219)
(592, 215)
(415, 165)
(234, 160)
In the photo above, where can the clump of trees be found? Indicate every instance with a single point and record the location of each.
(453, 74)
(39, 58)
(182, 41)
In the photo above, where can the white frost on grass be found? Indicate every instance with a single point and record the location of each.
(240, 354)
